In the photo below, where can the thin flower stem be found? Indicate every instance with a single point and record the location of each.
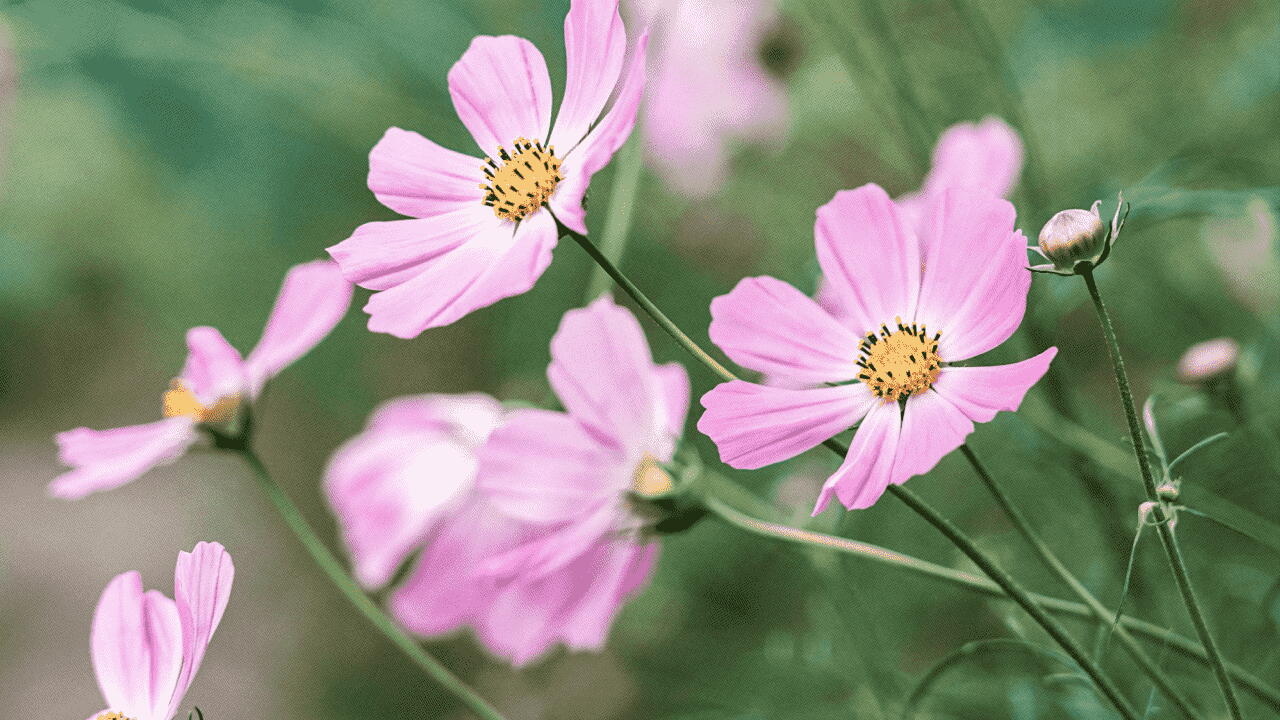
(945, 526)
(333, 569)
(1158, 514)
(1095, 606)
(627, 172)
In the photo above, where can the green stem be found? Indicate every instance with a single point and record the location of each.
(1095, 606)
(333, 569)
(1159, 514)
(617, 224)
(766, 528)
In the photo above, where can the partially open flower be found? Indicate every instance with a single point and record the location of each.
(1208, 361)
(1072, 237)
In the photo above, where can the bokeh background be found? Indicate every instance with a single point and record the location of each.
(164, 162)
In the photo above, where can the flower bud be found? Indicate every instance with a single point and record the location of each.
(1072, 236)
(1208, 361)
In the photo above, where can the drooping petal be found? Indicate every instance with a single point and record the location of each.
(625, 567)
(201, 588)
(769, 326)
(312, 301)
(544, 467)
(416, 177)
(870, 258)
(868, 467)
(136, 644)
(501, 90)
(674, 381)
(984, 156)
(551, 551)
(981, 392)
(595, 44)
(597, 148)
(603, 373)
(757, 425)
(931, 428)
(213, 369)
(463, 275)
(975, 282)
(107, 459)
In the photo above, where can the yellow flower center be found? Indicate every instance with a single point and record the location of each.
(524, 180)
(650, 480)
(112, 716)
(180, 401)
(900, 363)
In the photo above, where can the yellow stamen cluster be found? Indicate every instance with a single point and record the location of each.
(899, 363)
(650, 480)
(180, 401)
(112, 716)
(524, 180)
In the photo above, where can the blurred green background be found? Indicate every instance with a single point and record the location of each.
(164, 163)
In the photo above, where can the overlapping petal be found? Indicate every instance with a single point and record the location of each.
(501, 90)
(213, 369)
(981, 392)
(313, 299)
(595, 44)
(868, 467)
(416, 177)
(136, 644)
(985, 156)
(107, 459)
(201, 589)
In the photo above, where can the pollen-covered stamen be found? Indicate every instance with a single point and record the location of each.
(523, 182)
(112, 716)
(899, 362)
(180, 401)
(650, 480)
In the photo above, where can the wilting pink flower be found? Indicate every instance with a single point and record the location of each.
(146, 647)
(916, 301)
(572, 476)
(980, 157)
(708, 88)
(213, 386)
(484, 229)
(1208, 360)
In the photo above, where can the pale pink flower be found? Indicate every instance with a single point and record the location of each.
(1245, 250)
(214, 385)
(980, 157)
(484, 228)
(708, 88)
(573, 476)
(916, 301)
(1208, 360)
(146, 647)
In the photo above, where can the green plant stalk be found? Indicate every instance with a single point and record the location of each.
(1167, 537)
(334, 570)
(717, 504)
(617, 225)
(945, 526)
(1095, 606)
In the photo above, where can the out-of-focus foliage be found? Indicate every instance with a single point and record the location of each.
(166, 161)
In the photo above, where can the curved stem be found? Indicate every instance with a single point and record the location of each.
(334, 570)
(1095, 606)
(613, 240)
(1158, 513)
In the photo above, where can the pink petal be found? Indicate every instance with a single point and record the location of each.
(382, 255)
(502, 92)
(757, 425)
(416, 177)
(468, 418)
(201, 588)
(542, 466)
(869, 256)
(868, 468)
(603, 373)
(595, 44)
(986, 156)
(975, 283)
(213, 369)
(472, 268)
(551, 551)
(769, 326)
(312, 300)
(107, 459)
(136, 644)
(597, 148)
(981, 392)
(674, 381)
(931, 428)
(606, 585)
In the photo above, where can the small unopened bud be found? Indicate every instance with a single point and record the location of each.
(1209, 360)
(1072, 236)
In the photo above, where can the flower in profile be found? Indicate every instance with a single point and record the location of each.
(484, 227)
(579, 478)
(1208, 361)
(214, 386)
(146, 648)
(916, 302)
(708, 88)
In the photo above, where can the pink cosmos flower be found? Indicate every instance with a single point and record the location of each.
(146, 647)
(214, 385)
(484, 228)
(981, 157)
(708, 88)
(917, 301)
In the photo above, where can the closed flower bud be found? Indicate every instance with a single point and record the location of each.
(1072, 236)
(1208, 361)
